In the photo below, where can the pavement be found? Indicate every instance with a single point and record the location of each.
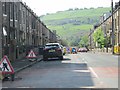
(21, 64)
(108, 53)
(101, 52)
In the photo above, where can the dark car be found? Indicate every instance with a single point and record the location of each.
(52, 50)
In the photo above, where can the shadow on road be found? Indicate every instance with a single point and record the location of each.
(65, 74)
(56, 59)
(55, 73)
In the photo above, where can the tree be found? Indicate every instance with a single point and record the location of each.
(84, 41)
(91, 8)
(64, 42)
(98, 37)
(70, 9)
(76, 8)
(85, 8)
(74, 41)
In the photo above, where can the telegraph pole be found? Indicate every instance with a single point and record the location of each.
(113, 37)
(0, 30)
(90, 41)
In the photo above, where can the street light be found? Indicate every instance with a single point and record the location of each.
(112, 28)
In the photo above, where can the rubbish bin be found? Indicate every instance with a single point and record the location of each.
(117, 49)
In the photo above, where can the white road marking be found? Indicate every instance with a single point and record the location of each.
(23, 87)
(94, 73)
(88, 87)
(90, 68)
(81, 70)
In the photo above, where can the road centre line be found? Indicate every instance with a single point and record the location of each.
(94, 73)
(90, 68)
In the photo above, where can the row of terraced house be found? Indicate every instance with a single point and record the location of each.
(21, 30)
(106, 26)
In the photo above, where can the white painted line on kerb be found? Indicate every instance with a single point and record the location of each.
(93, 72)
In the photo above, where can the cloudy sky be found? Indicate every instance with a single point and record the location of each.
(41, 7)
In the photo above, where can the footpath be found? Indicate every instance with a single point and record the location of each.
(21, 64)
(24, 63)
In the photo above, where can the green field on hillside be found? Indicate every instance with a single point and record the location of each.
(76, 13)
(69, 29)
(75, 23)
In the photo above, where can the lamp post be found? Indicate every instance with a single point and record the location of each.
(113, 39)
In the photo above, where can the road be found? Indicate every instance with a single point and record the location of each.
(82, 70)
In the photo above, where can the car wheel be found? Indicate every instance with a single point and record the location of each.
(61, 57)
(45, 58)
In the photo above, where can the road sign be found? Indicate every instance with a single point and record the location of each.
(31, 54)
(6, 66)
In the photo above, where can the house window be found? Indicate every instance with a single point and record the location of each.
(4, 8)
(15, 12)
(12, 35)
(11, 11)
(23, 17)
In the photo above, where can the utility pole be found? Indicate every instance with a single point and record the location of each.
(90, 41)
(113, 37)
(0, 30)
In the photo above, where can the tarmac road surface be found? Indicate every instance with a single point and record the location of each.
(82, 70)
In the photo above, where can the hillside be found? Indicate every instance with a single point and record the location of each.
(72, 24)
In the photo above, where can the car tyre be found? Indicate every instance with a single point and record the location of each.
(61, 57)
(45, 58)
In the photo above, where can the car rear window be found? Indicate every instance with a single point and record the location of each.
(52, 45)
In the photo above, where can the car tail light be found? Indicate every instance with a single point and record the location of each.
(58, 49)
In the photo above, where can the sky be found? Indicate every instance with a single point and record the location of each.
(41, 7)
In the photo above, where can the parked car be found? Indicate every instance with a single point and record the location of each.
(83, 49)
(52, 50)
(74, 51)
